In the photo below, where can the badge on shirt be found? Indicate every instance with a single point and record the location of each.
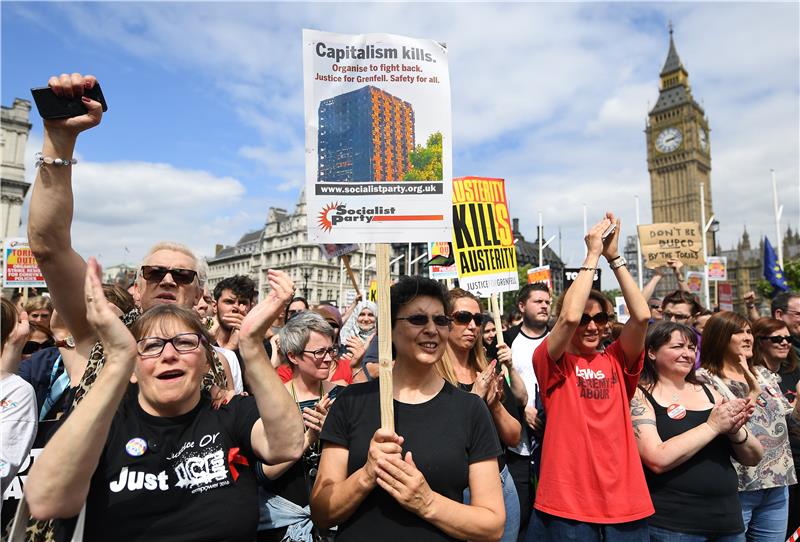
(772, 391)
(761, 401)
(136, 447)
(676, 411)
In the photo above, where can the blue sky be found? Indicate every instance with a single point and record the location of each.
(205, 127)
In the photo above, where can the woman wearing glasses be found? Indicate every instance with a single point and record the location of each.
(408, 484)
(464, 365)
(159, 462)
(728, 363)
(307, 343)
(592, 488)
(773, 350)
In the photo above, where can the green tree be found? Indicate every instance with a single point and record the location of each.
(426, 162)
(791, 272)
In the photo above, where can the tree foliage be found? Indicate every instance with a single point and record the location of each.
(426, 162)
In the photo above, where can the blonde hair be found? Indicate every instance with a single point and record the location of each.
(38, 303)
(199, 265)
(476, 359)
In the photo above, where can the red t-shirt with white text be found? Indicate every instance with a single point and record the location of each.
(591, 470)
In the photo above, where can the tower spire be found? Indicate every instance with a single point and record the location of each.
(673, 62)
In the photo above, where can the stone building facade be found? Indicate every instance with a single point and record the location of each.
(16, 127)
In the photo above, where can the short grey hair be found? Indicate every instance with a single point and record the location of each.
(199, 264)
(295, 333)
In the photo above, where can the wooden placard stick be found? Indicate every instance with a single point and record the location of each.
(24, 296)
(346, 260)
(494, 307)
(385, 337)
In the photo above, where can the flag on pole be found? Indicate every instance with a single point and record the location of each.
(772, 269)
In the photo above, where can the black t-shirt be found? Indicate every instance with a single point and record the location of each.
(512, 407)
(445, 434)
(178, 479)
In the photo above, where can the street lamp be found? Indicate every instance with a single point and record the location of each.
(306, 276)
(714, 228)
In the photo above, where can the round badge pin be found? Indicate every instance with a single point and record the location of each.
(136, 447)
(676, 411)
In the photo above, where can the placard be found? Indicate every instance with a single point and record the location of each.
(20, 269)
(541, 274)
(694, 281)
(661, 242)
(571, 273)
(621, 309)
(378, 138)
(484, 246)
(717, 267)
(725, 293)
(332, 250)
(441, 260)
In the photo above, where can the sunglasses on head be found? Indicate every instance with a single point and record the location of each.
(777, 339)
(601, 319)
(463, 317)
(156, 273)
(439, 320)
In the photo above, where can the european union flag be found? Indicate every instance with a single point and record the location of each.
(772, 269)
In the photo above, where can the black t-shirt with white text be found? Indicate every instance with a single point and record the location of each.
(445, 435)
(187, 478)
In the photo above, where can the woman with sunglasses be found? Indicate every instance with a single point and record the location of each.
(686, 435)
(307, 343)
(408, 484)
(726, 358)
(773, 350)
(464, 365)
(591, 485)
(159, 462)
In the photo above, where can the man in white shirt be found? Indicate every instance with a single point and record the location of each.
(533, 301)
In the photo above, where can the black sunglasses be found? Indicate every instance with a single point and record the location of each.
(439, 320)
(156, 273)
(601, 319)
(778, 339)
(463, 317)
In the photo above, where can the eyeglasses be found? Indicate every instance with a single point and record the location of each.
(793, 313)
(601, 319)
(182, 342)
(463, 317)
(156, 273)
(778, 339)
(439, 320)
(320, 353)
(677, 317)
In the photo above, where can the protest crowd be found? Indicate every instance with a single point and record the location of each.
(171, 412)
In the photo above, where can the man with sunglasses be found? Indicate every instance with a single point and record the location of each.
(786, 307)
(592, 485)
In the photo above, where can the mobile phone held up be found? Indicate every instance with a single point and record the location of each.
(52, 106)
(609, 231)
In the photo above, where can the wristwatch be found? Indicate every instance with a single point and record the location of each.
(617, 262)
(68, 342)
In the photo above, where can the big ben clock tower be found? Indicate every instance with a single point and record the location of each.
(678, 147)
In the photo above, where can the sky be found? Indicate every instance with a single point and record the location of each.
(205, 127)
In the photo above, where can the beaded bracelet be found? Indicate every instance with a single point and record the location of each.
(583, 268)
(42, 160)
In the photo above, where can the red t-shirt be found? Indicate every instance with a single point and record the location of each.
(342, 372)
(591, 470)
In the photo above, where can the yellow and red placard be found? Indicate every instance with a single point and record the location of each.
(19, 265)
(482, 240)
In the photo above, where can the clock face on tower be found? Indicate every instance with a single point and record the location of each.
(703, 138)
(668, 140)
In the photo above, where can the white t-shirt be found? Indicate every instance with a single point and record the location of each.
(236, 370)
(18, 421)
(522, 358)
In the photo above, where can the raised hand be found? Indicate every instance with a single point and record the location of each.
(594, 237)
(255, 324)
(314, 418)
(116, 338)
(611, 244)
(482, 381)
(73, 86)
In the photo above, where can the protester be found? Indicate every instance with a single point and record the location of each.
(308, 342)
(194, 457)
(655, 309)
(408, 485)
(233, 299)
(39, 337)
(686, 435)
(725, 358)
(786, 306)
(673, 267)
(592, 486)
(358, 332)
(170, 272)
(524, 458)
(700, 320)
(297, 305)
(17, 399)
(464, 365)
(39, 309)
(205, 307)
(772, 349)
(489, 336)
